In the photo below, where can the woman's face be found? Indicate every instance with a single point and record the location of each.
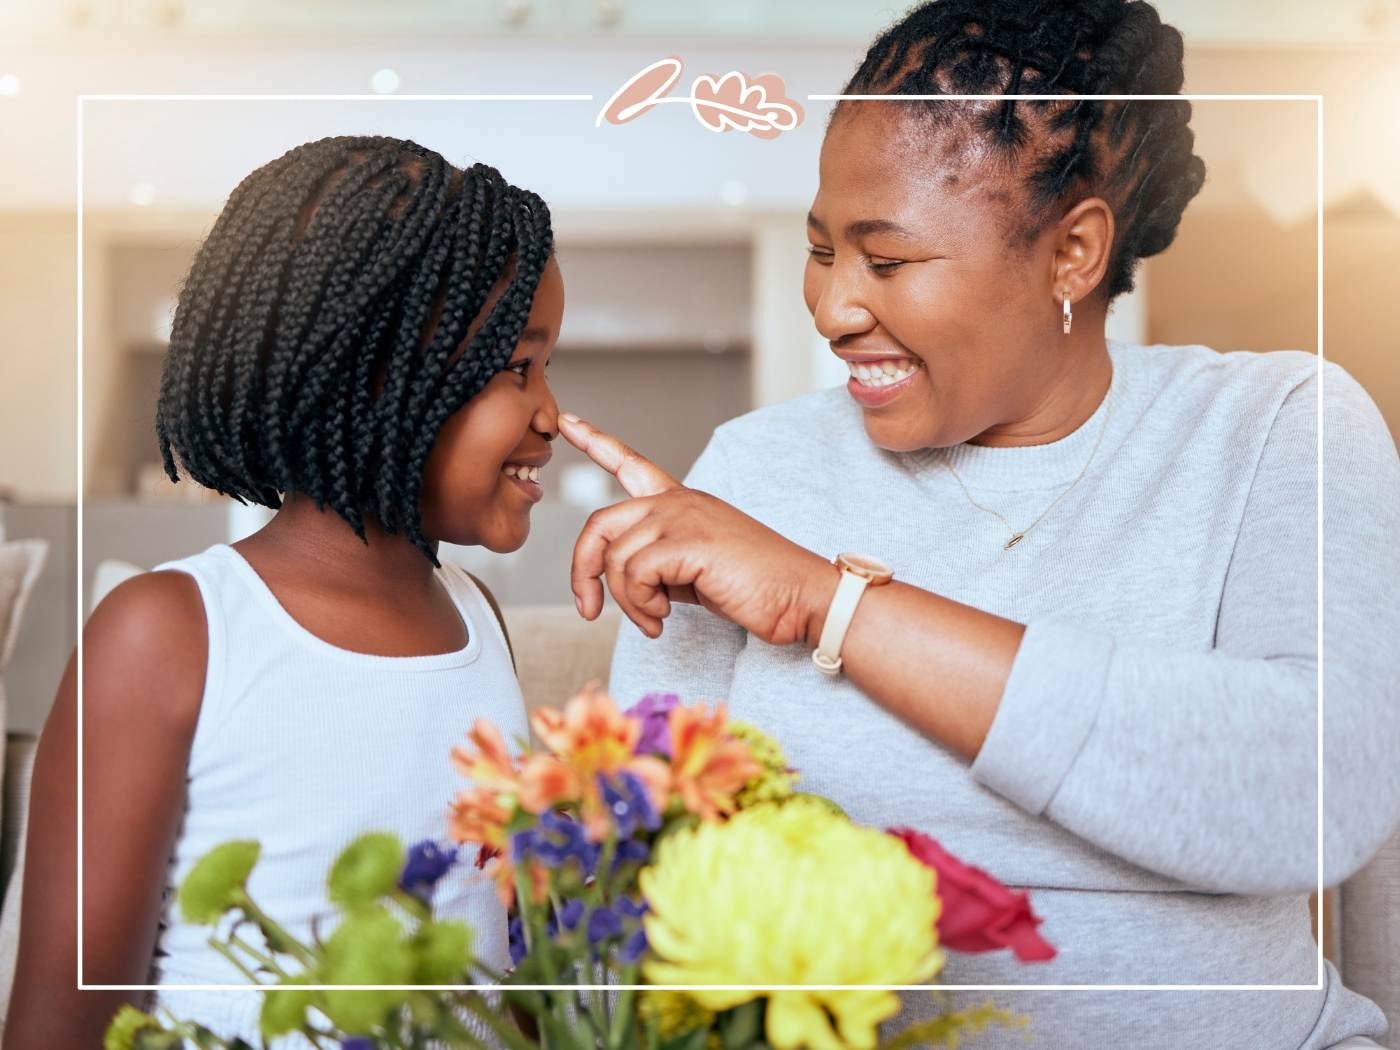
(910, 274)
(469, 493)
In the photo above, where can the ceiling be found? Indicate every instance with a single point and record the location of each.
(189, 154)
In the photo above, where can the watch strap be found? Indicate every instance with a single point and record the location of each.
(827, 654)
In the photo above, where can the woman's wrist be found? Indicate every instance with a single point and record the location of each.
(818, 590)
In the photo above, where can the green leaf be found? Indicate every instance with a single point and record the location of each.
(217, 880)
(367, 870)
(949, 1029)
(689, 1041)
(284, 1007)
(740, 1027)
(444, 953)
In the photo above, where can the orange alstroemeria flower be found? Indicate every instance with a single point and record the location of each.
(491, 764)
(708, 766)
(591, 737)
(477, 815)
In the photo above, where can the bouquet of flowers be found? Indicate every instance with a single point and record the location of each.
(668, 888)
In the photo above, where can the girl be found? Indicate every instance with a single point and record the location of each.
(361, 343)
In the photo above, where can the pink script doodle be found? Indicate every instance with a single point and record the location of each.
(733, 102)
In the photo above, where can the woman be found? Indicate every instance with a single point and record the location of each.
(1095, 670)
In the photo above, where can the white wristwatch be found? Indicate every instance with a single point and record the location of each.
(858, 571)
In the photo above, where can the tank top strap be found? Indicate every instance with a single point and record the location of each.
(211, 576)
(467, 594)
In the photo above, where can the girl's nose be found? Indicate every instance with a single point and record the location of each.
(546, 419)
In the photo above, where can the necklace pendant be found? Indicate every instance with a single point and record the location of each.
(1014, 540)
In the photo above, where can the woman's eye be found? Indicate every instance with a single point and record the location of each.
(885, 267)
(821, 255)
(520, 367)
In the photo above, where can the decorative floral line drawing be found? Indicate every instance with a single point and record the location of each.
(733, 102)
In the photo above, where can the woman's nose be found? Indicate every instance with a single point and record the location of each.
(839, 310)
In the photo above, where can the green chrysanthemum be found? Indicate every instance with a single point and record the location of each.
(774, 783)
(128, 1023)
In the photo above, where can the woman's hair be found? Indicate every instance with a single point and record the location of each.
(1136, 155)
(314, 343)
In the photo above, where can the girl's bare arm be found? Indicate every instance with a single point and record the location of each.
(144, 655)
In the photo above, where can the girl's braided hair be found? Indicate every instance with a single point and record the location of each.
(314, 342)
(1135, 154)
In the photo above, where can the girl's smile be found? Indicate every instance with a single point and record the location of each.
(527, 477)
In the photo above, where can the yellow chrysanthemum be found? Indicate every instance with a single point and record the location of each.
(774, 782)
(792, 894)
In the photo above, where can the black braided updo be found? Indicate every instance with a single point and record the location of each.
(314, 347)
(1135, 155)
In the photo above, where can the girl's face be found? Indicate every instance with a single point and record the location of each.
(468, 496)
(909, 266)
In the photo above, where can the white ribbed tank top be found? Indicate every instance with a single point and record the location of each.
(304, 746)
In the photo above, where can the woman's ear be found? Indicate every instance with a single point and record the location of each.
(1084, 242)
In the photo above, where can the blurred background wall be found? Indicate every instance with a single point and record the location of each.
(682, 250)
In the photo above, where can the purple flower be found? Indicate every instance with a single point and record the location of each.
(634, 947)
(630, 851)
(571, 914)
(427, 863)
(556, 840)
(603, 923)
(517, 940)
(626, 797)
(654, 712)
(357, 1042)
(633, 909)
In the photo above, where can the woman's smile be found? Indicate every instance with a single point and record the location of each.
(874, 383)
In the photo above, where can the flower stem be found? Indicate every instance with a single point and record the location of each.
(620, 1028)
(227, 953)
(257, 956)
(508, 1035)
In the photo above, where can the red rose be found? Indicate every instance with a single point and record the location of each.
(979, 913)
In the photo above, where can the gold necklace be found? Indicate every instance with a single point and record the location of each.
(1017, 537)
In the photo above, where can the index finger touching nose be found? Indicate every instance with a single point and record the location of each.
(638, 475)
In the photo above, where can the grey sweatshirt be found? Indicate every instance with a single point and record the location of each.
(1151, 773)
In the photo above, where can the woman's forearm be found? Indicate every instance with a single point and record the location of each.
(937, 665)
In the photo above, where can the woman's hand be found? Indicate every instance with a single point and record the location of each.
(670, 544)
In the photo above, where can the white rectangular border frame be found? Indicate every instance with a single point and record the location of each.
(83, 99)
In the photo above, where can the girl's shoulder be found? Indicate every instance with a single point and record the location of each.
(147, 643)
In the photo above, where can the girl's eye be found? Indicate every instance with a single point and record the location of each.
(823, 256)
(520, 367)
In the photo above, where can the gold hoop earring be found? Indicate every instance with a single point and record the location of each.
(1069, 314)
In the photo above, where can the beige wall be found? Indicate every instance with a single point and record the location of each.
(38, 297)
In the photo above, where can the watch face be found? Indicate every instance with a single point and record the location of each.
(872, 569)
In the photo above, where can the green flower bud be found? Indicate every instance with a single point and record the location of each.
(444, 953)
(217, 880)
(284, 1007)
(367, 870)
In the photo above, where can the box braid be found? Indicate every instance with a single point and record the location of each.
(315, 345)
(1136, 155)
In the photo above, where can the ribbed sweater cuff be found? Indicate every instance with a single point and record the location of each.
(1047, 710)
